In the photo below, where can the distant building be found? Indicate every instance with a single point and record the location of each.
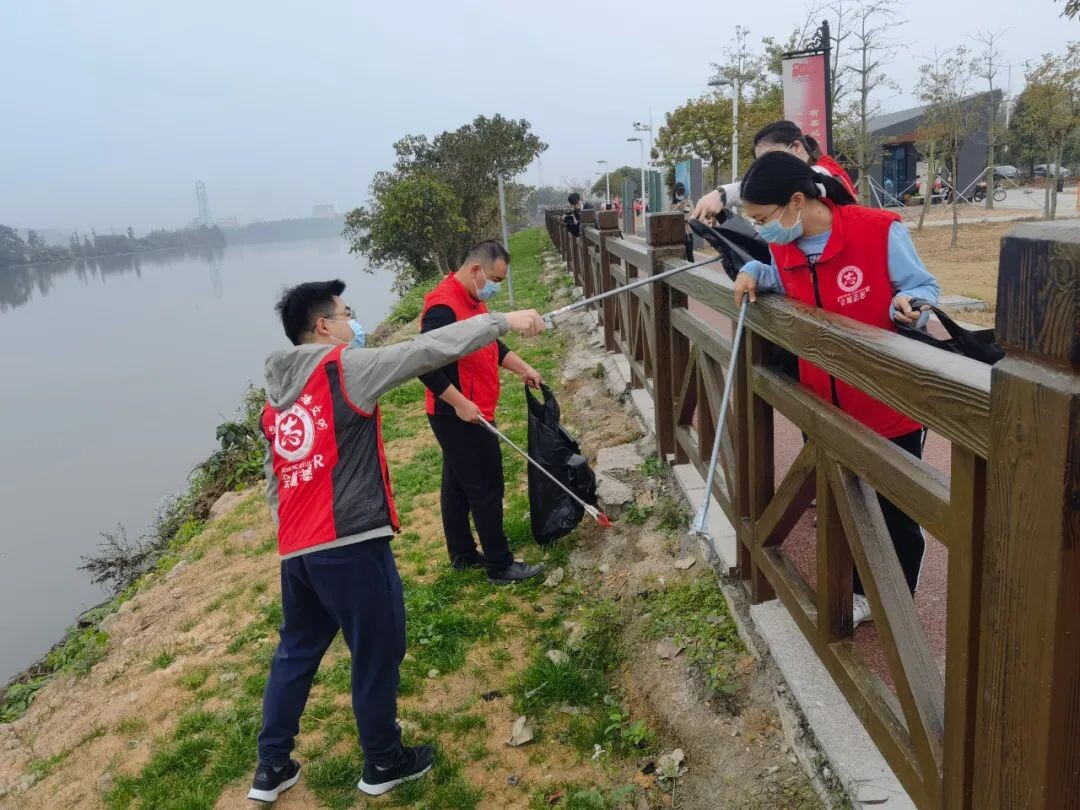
(227, 222)
(901, 160)
(323, 212)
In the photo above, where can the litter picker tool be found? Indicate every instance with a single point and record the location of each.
(632, 286)
(697, 528)
(596, 514)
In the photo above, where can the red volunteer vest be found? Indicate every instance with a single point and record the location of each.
(478, 372)
(850, 278)
(332, 478)
(837, 171)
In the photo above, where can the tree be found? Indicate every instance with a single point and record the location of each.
(469, 161)
(872, 24)
(617, 177)
(699, 128)
(12, 247)
(949, 115)
(989, 62)
(411, 226)
(548, 197)
(1050, 115)
(1072, 9)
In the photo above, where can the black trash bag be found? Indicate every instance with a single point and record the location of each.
(976, 345)
(735, 239)
(553, 513)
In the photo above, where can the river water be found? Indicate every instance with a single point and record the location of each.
(115, 374)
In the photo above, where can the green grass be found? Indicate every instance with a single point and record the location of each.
(420, 475)
(445, 617)
(582, 681)
(206, 752)
(195, 679)
(695, 613)
(163, 659)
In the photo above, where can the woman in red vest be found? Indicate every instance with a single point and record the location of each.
(779, 136)
(853, 261)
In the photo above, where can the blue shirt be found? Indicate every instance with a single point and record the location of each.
(907, 272)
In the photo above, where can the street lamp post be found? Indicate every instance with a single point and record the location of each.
(607, 181)
(641, 143)
(640, 127)
(736, 86)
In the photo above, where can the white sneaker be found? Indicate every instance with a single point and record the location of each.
(860, 610)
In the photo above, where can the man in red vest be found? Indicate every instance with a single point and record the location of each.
(459, 393)
(330, 495)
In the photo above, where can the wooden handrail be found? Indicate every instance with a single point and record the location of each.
(1008, 511)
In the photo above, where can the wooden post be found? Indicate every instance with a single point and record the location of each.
(588, 217)
(759, 474)
(1027, 737)
(665, 241)
(609, 229)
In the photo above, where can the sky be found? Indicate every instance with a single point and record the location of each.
(112, 110)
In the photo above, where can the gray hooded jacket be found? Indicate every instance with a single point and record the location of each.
(370, 373)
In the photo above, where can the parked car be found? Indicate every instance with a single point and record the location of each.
(1043, 169)
(1010, 172)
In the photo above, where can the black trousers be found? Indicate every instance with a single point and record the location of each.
(472, 483)
(907, 537)
(688, 241)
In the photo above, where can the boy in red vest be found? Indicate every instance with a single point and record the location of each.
(459, 393)
(329, 491)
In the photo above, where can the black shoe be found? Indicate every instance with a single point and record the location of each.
(465, 563)
(412, 764)
(269, 784)
(515, 572)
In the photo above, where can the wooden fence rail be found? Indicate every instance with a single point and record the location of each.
(1000, 727)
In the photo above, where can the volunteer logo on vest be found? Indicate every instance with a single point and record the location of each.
(850, 280)
(294, 433)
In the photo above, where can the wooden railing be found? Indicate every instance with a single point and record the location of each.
(1000, 728)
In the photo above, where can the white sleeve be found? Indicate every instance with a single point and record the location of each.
(731, 190)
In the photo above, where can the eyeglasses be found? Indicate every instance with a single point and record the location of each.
(759, 221)
(348, 313)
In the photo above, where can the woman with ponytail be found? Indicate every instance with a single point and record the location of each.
(853, 261)
(779, 136)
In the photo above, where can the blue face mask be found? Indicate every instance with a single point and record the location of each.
(359, 338)
(778, 234)
(490, 288)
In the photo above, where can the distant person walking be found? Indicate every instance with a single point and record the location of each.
(682, 204)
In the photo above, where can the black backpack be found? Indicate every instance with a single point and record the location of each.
(553, 513)
(976, 345)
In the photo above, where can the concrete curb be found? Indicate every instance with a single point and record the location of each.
(852, 755)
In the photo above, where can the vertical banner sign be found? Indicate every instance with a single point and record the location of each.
(806, 93)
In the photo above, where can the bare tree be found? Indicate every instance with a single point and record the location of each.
(840, 14)
(863, 43)
(949, 116)
(1052, 111)
(989, 63)
(872, 48)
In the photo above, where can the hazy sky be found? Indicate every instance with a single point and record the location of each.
(112, 110)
